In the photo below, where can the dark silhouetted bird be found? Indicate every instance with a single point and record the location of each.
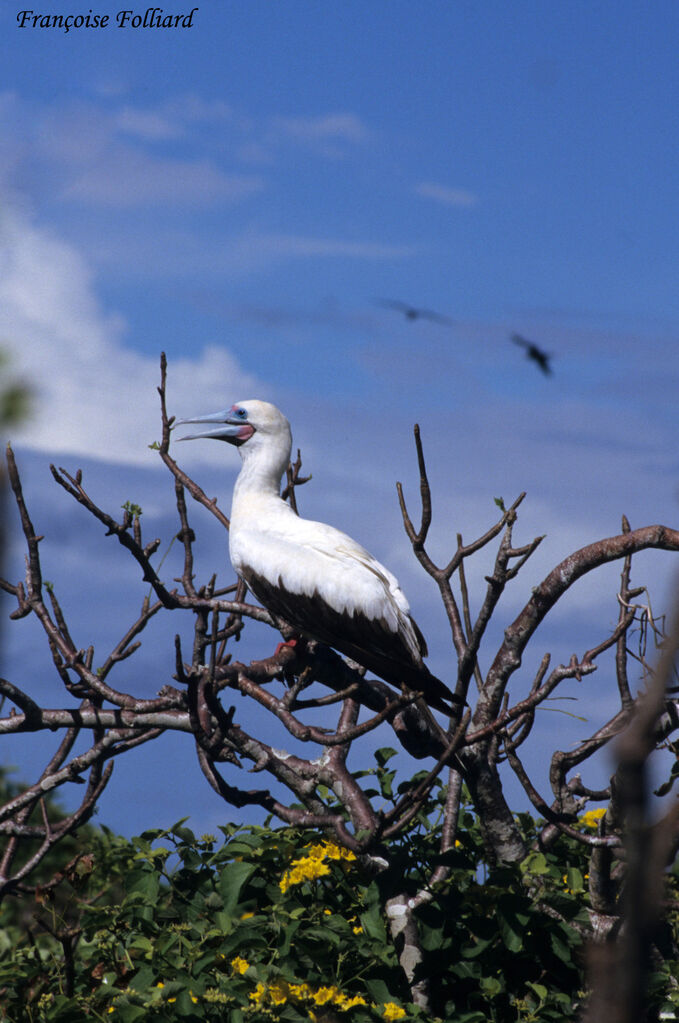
(533, 352)
(413, 313)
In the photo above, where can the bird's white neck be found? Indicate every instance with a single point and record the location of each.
(264, 462)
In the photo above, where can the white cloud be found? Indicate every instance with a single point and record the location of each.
(169, 252)
(107, 153)
(303, 246)
(126, 179)
(340, 127)
(190, 108)
(105, 157)
(171, 119)
(93, 395)
(147, 124)
(446, 195)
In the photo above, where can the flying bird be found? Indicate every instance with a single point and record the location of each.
(413, 313)
(538, 356)
(317, 578)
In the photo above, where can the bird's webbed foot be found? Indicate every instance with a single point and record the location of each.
(296, 643)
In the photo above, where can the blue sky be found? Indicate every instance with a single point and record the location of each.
(242, 194)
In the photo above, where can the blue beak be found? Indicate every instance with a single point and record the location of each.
(230, 429)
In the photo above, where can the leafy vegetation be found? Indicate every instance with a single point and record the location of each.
(277, 924)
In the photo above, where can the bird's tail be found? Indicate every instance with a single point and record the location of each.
(436, 693)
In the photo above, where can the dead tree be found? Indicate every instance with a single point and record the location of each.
(322, 791)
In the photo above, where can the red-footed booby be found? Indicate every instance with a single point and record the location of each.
(317, 578)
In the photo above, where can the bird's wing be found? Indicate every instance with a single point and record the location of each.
(308, 559)
(367, 641)
(521, 341)
(414, 312)
(332, 590)
(429, 314)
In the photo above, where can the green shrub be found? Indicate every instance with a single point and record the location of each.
(280, 924)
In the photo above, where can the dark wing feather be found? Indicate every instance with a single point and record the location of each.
(367, 641)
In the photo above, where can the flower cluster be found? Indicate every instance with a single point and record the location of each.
(393, 1011)
(591, 818)
(280, 991)
(314, 864)
(240, 965)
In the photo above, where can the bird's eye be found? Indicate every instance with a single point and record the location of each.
(241, 413)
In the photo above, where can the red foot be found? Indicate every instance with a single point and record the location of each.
(297, 642)
(281, 646)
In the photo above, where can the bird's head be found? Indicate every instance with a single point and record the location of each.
(251, 423)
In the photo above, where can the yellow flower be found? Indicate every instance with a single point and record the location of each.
(592, 817)
(355, 925)
(307, 869)
(336, 852)
(240, 965)
(344, 1002)
(393, 1011)
(312, 866)
(246, 916)
(301, 991)
(259, 994)
(278, 992)
(323, 995)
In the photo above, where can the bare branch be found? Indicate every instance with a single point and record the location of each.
(549, 592)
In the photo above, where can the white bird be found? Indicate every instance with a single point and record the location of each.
(323, 583)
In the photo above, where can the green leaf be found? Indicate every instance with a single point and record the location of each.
(184, 834)
(574, 879)
(539, 989)
(384, 754)
(378, 990)
(231, 880)
(491, 986)
(143, 979)
(132, 508)
(534, 863)
(127, 1012)
(510, 935)
(559, 948)
(143, 882)
(472, 951)
(143, 944)
(372, 922)
(288, 937)
(385, 779)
